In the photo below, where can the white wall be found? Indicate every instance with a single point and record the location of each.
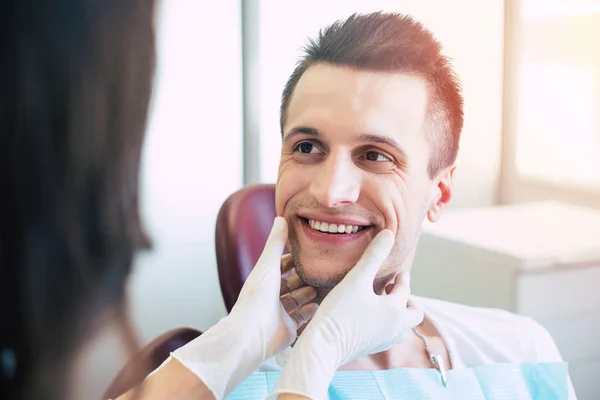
(192, 162)
(471, 32)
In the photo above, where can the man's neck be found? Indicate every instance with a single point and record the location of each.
(409, 354)
(321, 293)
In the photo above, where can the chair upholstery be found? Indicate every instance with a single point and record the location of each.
(243, 226)
(148, 359)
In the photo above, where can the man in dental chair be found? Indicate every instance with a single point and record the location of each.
(371, 121)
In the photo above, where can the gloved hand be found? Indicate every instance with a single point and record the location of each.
(351, 322)
(258, 326)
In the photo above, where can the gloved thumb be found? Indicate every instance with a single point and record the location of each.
(271, 255)
(372, 259)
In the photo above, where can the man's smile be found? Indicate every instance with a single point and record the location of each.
(324, 230)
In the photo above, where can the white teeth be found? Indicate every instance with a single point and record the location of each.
(332, 228)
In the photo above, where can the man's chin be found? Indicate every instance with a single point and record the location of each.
(325, 283)
(318, 279)
(322, 283)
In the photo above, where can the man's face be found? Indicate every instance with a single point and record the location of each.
(354, 161)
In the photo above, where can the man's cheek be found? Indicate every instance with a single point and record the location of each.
(280, 199)
(289, 191)
(387, 198)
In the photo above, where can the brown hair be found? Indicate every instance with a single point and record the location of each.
(75, 85)
(390, 42)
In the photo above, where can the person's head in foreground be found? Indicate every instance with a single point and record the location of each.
(75, 84)
(371, 120)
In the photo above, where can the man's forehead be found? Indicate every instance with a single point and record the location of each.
(334, 97)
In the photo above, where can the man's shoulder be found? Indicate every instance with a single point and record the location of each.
(492, 334)
(487, 317)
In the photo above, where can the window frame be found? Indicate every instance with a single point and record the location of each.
(515, 188)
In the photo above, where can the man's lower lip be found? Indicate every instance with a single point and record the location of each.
(331, 238)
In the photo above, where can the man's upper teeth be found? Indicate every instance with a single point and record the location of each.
(332, 228)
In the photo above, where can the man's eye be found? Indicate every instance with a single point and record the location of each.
(375, 156)
(306, 148)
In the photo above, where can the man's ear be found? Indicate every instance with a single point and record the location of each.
(442, 193)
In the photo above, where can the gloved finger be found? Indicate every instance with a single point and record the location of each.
(298, 298)
(304, 314)
(291, 283)
(275, 245)
(372, 259)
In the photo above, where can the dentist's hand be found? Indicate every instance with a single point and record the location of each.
(296, 298)
(351, 322)
(274, 307)
(263, 321)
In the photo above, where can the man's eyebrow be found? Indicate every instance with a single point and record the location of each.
(300, 130)
(371, 138)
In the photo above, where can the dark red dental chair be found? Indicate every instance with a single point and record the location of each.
(243, 226)
(148, 359)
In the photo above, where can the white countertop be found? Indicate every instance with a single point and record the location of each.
(541, 234)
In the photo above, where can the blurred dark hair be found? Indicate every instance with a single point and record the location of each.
(75, 85)
(390, 42)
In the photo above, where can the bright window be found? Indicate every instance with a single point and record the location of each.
(554, 104)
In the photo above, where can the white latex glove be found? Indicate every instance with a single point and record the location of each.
(351, 322)
(257, 327)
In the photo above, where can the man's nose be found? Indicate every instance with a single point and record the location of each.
(337, 181)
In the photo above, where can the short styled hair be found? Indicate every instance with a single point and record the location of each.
(393, 43)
